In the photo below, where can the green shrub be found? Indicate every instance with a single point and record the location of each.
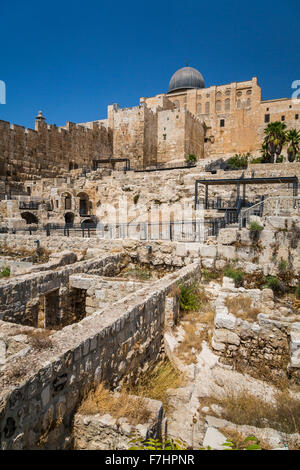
(280, 159)
(297, 292)
(277, 286)
(156, 444)
(282, 266)
(255, 227)
(191, 158)
(136, 198)
(5, 272)
(238, 161)
(236, 274)
(189, 297)
(257, 160)
(209, 275)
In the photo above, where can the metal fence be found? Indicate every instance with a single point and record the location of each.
(189, 231)
(284, 206)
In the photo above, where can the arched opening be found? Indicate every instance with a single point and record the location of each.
(30, 218)
(84, 204)
(69, 219)
(75, 166)
(87, 223)
(70, 166)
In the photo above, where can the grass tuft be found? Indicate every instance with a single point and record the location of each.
(101, 400)
(156, 381)
(242, 407)
(241, 306)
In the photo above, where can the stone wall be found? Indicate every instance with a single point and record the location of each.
(49, 150)
(21, 296)
(262, 344)
(241, 108)
(110, 346)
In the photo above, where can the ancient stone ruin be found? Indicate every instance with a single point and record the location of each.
(131, 272)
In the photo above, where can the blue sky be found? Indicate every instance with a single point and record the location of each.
(72, 59)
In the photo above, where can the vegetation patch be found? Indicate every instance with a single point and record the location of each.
(283, 414)
(40, 339)
(255, 228)
(241, 306)
(155, 382)
(101, 400)
(191, 297)
(5, 272)
(236, 274)
(277, 286)
(238, 161)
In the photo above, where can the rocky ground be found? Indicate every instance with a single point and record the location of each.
(196, 409)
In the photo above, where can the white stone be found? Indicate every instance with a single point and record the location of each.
(214, 439)
(225, 336)
(224, 320)
(227, 236)
(208, 251)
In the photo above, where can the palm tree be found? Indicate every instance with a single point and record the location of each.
(293, 140)
(275, 136)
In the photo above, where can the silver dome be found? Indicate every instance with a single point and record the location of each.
(185, 78)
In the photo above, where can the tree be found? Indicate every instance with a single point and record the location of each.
(293, 141)
(275, 137)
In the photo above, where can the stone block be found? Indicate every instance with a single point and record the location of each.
(225, 320)
(226, 252)
(208, 251)
(227, 236)
(225, 336)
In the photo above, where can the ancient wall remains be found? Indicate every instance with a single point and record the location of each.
(111, 347)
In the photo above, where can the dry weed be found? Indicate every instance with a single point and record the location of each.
(242, 407)
(241, 306)
(101, 400)
(192, 342)
(156, 381)
(40, 339)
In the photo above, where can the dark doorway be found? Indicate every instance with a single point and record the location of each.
(69, 219)
(30, 218)
(51, 309)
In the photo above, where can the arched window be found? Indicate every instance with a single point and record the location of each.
(218, 106)
(207, 108)
(227, 104)
(199, 108)
(248, 102)
(238, 103)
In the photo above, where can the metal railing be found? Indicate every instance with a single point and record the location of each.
(188, 231)
(277, 206)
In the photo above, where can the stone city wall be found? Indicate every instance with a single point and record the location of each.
(49, 150)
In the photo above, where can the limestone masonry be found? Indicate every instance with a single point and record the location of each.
(149, 289)
(190, 119)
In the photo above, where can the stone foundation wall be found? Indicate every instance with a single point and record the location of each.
(112, 346)
(263, 344)
(21, 295)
